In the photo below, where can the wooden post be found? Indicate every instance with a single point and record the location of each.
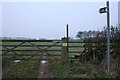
(93, 44)
(85, 51)
(64, 54)
(67, 38)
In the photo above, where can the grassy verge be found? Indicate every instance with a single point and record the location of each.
(24, 69)
(75, 70)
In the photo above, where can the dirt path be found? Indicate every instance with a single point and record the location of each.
(43, 68)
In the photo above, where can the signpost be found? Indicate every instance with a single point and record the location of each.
(103, 10)
(106, 10)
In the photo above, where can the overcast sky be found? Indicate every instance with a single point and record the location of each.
(49, 19)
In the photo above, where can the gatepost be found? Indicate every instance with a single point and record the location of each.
(64, 53)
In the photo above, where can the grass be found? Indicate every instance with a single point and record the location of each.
(24, 69)
(76, 70)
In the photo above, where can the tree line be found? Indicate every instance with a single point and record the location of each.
(114, 33)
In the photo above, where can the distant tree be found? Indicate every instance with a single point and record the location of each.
(85, 34)
(80, 35)
(89, 33)
(94, 33)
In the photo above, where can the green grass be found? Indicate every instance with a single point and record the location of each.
(75, 70)
(24, 69)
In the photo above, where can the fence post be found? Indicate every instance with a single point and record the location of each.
(85, 49)
(93, 46)
(64, 53)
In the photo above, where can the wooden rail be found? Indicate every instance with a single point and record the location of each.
(31, 50)
(32, 46)
(31, 40)
(29, 55)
